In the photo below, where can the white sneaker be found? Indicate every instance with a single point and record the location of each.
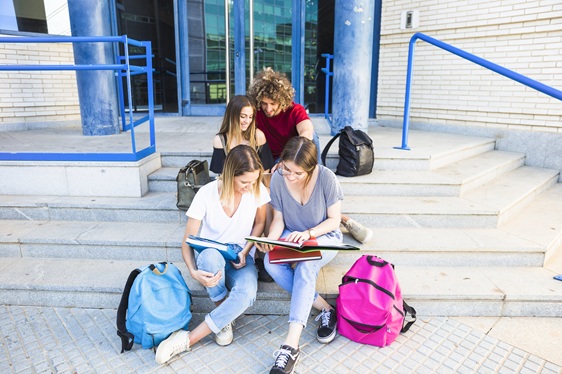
(225, 336)
(358, 231)
(175, 344)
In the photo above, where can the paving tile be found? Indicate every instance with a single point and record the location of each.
(72, 340)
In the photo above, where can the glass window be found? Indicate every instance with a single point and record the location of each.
(37, 16)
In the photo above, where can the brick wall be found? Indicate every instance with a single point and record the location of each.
(521, 35)
(37, 96)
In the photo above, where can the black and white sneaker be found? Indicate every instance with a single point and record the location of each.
(327, 329)
(286, 359)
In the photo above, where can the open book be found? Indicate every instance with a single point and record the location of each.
(226, 249)
(306, 246)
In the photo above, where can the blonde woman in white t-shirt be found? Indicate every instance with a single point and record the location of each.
(226, 210)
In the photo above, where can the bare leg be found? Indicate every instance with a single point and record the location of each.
(320, 303)
(294, 334)
(201, 330)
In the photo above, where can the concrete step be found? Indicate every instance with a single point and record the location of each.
(152, 207)
(511, 192)
(138, 241)
(433, 291)
(485, 207)
(429, 150)
(452, 180)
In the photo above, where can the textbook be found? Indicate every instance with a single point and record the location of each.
(306, 246)
(226, 249)
(280, 255)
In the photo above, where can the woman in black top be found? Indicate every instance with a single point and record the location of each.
(239, 127)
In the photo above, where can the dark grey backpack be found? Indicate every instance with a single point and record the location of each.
(190, 178)
(356, 151)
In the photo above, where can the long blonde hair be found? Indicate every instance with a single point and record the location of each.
(241, 159)
(230, 128)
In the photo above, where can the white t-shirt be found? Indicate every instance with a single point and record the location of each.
(216, 224)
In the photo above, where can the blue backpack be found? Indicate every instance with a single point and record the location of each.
(155, 302)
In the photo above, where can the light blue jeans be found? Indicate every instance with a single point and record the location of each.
(299, 278)
(242, 284)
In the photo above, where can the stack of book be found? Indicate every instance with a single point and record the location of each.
(307, 250)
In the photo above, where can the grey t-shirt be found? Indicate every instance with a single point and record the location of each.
(297, 217)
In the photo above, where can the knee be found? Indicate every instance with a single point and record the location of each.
(210, 260)
(246, 294)
(307, 271)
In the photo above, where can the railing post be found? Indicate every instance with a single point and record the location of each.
(407, 98)
(328, 73)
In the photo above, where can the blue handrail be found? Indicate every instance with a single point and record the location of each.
(541, 87)
(329, 74)
(122, 70)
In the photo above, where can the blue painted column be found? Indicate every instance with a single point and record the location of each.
(239, 49)
(96, 88)
(353, 44)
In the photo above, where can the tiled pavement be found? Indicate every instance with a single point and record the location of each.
(73, 340)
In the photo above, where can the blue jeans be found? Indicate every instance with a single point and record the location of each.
(300, 280)
(242, 284)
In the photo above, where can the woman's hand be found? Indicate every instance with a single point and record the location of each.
(262, 247)
(298, 236)
(207, 279)
(241, 261)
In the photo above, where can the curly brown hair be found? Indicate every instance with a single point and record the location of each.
(274, 86)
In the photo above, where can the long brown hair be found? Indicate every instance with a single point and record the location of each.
(302, 152)
(230, 127)
(241, 159)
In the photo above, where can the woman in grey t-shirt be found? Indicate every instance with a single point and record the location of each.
(306, 200)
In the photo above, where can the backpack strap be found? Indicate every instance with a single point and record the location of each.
(412, 311)
(127, 339)
(327, 147)
(190, 169)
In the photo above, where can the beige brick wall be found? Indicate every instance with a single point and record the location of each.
(521, 35)
(37, 96)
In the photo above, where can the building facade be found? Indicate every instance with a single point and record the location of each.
(189, 43)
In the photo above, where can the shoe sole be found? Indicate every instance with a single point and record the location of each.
(160, 360)
(329, 338)
(224, 344)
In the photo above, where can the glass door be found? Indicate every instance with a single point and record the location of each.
(153, 21)
(213, 46)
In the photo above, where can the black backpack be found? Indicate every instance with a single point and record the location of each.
(356, 151)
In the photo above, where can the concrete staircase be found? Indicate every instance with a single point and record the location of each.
(471, 231)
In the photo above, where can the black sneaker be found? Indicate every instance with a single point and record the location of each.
(327, 329)
(285, 360)
(263, 275)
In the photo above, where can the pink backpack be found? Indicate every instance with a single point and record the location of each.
(370, 308)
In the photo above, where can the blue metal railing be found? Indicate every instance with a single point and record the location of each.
(329, 74)
(123, 68)
(541, 87)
